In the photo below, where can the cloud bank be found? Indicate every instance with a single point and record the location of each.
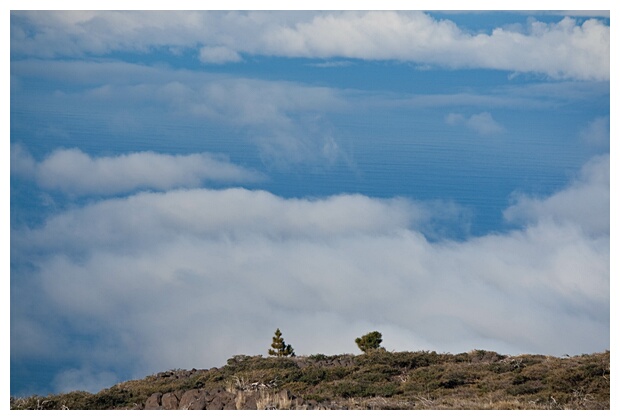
(188, 278)
(72, 171)
(566, 49)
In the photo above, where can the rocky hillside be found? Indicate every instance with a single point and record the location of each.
(376, 380)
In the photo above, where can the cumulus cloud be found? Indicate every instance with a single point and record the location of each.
(566, 49)
(189, 278)
(74, 172)
(482, 123)
(585, 203)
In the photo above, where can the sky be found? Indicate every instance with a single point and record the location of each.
(184, 183)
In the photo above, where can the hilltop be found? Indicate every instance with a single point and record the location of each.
(378, 379)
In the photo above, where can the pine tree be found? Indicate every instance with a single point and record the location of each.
(279, 348)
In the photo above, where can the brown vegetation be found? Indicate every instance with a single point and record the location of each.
(375, 380)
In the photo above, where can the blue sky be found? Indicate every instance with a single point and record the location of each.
(182, 184)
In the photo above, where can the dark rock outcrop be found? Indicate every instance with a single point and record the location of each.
(153, 402)
(221, 400)
(196, 399)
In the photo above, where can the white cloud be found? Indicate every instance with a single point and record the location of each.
(233, 213)
(535, 12)
(189, 278)
(332, 64)
(238, 100)
(74, 172)
(585, 203)
(561, 50)
(597, 132)
(482, 123)
(218, 55)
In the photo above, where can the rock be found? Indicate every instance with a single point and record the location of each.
(193, 399)
(153, 402)
(169, 401)
(221, 400)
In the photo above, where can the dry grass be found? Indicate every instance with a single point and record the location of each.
(480, 380)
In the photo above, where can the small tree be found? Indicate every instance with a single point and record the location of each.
(370, 341)
(279, 348)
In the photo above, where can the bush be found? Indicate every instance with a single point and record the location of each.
(370, 341)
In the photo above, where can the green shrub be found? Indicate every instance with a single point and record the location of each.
(370, 341)
(352, 389)
(317, 357)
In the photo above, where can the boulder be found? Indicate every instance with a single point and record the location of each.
(169, 401)
(221, 400)
(153, 402)
(194, 399)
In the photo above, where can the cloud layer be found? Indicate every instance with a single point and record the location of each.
(565, 49)
(284, 120)
(220, 270)
(73, 172)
